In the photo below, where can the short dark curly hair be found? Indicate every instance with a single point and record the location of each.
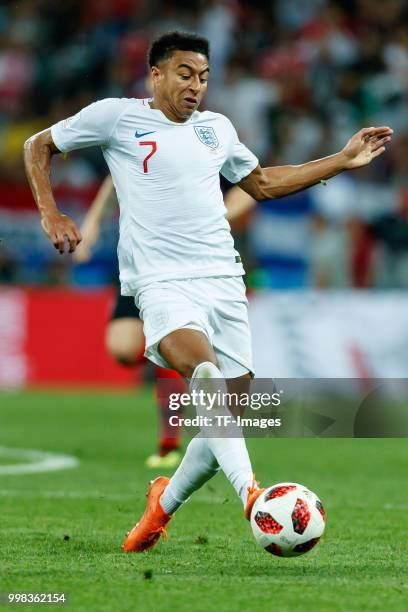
(164, 46)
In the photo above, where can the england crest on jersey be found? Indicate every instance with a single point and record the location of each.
(207, 136)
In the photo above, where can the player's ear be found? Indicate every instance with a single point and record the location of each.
(155, 74)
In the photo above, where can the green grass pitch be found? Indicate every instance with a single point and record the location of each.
(210, 561)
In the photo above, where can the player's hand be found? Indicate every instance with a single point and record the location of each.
(58, 227)
(365, 146)
(90, 235)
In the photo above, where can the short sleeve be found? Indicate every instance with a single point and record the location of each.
(240, 161)
(91, 126)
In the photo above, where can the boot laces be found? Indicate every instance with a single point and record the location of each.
(160, 531)
(254, 485)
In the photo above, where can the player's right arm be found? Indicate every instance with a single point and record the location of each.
(94, 125)
(104, 201)
(38, 151)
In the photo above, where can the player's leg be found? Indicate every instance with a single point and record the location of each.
(184, 349)
(231, 343)
(204, 454)
(233, 346)
(124, 340)
(169, 454)
(188, 350)
(230, 452)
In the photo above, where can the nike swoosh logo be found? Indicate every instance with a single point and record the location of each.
(140, 134)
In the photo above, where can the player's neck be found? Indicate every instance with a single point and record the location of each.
(166, 109)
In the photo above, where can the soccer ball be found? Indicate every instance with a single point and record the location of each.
(287, 519)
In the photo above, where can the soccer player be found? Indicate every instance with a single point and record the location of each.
(176, 253)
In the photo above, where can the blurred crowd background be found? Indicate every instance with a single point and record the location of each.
(297, 78)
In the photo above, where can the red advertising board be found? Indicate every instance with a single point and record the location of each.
(56, 337)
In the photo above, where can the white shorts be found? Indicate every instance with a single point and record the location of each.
(216, 306)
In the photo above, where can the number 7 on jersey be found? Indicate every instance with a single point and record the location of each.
(153, 144)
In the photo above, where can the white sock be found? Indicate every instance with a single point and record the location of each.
(198, 466)
(230, 452)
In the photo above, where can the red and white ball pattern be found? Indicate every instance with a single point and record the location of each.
(287, 519)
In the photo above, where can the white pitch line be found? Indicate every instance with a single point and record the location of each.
(395, 506)
(63, 494)
(205, 499)
(35, 461)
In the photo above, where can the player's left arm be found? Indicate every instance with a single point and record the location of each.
(104, 201)
(237, 202)
(361, 149)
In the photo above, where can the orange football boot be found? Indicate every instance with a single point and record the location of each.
(253, 494)
(146, 533)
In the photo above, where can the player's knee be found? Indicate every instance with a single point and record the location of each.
(121, 349)
(124, 341)
(184, 349)
(188, 367)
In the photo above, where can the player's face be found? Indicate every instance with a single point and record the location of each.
(180, 83)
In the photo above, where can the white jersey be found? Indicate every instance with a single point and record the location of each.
(166, 175)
